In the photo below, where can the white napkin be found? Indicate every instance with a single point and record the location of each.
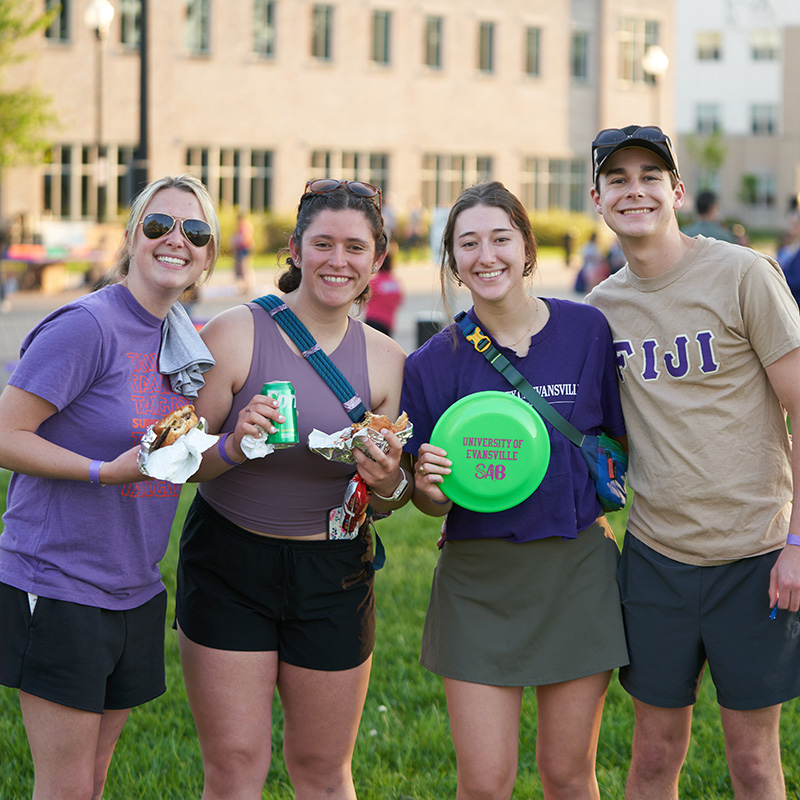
(178, 462)
(256, 446)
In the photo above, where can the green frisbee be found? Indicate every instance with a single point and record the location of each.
(499, 448)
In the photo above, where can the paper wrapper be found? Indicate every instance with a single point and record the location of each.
(178, 462)
(256, 446)
(339, 446)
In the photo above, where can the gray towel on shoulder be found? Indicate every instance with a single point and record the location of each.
(184, 356)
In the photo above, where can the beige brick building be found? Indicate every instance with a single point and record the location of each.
(418, 96)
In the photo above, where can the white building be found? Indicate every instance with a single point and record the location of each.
(737, 64)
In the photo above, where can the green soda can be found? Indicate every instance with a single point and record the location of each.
(287, 434)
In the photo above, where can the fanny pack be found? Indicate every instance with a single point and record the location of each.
(605, 457)
(331, 374)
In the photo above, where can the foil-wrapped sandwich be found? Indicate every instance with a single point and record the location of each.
(339, 446)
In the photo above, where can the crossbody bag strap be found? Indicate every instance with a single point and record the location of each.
(483, 344)
(314, 354)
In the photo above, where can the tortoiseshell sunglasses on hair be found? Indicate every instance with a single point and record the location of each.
(359, 188)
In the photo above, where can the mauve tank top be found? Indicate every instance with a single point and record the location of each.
(289, 492)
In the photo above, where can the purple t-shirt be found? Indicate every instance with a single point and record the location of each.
(571, 363)
(96, 360)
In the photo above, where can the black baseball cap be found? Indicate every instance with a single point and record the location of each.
(650, 137)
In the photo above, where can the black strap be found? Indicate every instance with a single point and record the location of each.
(314, 354)
(483, 344)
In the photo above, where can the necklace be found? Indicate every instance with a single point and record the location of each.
(528, 331)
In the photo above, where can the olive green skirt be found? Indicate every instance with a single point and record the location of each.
(510, 614)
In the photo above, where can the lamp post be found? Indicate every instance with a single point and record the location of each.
(655, 63)
(97, 18)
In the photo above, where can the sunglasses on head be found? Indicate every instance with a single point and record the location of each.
(359, 188)
(614, 136)
(196, 231)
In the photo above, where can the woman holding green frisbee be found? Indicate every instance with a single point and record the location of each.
(525, 596)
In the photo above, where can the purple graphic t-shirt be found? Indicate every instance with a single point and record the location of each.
(571, 364)
(96, 361)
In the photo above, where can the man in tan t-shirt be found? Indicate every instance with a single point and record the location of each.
(707, 337)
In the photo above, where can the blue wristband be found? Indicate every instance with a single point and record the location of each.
(222, 454)
(793, 538)
(94, 472)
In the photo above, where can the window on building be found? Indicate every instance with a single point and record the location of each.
(130, 22)
(532, 50)
(444, 177)
(264, 32)
(229, 191)
(57, 187)
(758, 189)
(709, 46)
(434, 35)
(708, 118)
(197, 163)
(579, 56)
(198, 26)
(553, 183)
(322, 32)
(125, 177)
(486, 47)
(635, 36)
(58, 29)
(261, 179)
(763, 119)
(381, 37)
(765, 44)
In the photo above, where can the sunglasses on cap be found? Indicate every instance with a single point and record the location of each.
(359, 188)
(197, 231)
(651, 137)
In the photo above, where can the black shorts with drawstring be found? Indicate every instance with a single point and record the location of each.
(311, 601)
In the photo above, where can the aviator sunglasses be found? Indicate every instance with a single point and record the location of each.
(196, 231)
(359, 188)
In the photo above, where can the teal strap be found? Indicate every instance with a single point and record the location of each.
(314, 354)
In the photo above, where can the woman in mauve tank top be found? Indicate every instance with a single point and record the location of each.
(270, 594)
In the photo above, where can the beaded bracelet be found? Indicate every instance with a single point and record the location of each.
(221, 450)
(793, 538)
(94, 472)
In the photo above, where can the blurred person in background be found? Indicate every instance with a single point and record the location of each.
(707, 219)
(385, 297)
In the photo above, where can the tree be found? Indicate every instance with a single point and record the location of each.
(24, 112)
(709, 152)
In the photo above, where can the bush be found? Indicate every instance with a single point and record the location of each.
(552, 226)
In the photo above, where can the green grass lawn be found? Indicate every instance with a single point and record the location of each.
(404, 749)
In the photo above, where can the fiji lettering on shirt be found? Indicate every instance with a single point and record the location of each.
(677, 358)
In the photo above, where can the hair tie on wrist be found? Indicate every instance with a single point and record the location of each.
(221, 450)
(793, 538)
(441, 502)
(94, 472)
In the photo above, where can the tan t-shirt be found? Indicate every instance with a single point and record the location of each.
(710, 454)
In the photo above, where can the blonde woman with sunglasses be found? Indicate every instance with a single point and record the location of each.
(82, 605)
(269, 599)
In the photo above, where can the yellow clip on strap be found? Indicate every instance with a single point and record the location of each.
(480, 341)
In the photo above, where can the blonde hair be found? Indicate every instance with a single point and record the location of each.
(185, 183)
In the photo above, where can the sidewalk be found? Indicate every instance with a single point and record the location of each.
(420, 282)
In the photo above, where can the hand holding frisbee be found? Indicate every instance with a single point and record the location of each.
(499, 449)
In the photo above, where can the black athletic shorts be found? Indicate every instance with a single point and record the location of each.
(81, 656)
(311, 601)
(678, 616)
